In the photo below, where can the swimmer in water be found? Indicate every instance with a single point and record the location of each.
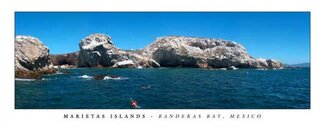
(134, 103)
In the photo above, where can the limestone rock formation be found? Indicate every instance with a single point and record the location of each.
(268, 64)
(98, 50)
(31, 58)
(174, 51)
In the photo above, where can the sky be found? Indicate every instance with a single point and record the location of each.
(284, 36)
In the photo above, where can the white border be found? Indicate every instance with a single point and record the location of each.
(12, 119)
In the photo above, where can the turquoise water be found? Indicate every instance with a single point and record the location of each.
(168, 88)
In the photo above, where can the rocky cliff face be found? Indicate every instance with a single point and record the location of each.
(173, 51)
(98, 50)
(31, 58)
(65, 59)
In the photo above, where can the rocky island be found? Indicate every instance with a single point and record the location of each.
(31, 58)
(174, 51)
(98, 50)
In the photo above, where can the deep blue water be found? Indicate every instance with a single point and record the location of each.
(170, 88)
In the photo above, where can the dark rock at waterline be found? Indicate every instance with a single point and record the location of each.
(31, 58)
(36, 74)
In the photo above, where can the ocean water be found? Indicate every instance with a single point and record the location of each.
(168, 88)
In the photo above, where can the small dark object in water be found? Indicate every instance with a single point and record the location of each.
(99, 77)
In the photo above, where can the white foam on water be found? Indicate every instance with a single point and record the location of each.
(111, 78)
(223, 69)
(18, 79)
(262, 69)
(59, 72)
(85, 77)
(49, 78)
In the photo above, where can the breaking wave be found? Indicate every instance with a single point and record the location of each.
(104, 78)
(18, 79)
(114, 78)
(85, 77)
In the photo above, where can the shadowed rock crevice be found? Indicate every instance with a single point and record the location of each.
(65, 59)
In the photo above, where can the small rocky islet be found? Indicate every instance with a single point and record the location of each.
(32, 58)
